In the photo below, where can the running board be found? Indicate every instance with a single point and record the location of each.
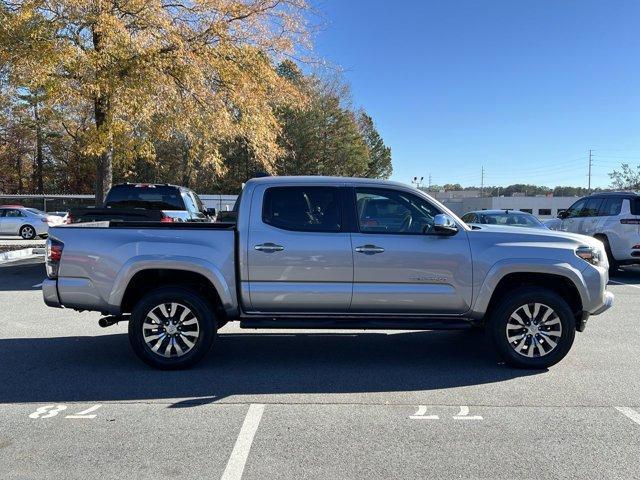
(350, 323)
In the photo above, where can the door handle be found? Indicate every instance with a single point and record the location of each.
(369, 249)
(269, 247)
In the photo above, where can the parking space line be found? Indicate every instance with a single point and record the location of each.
(240, 452)
(631, 413)
(622, 283)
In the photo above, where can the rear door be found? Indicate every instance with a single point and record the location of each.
(12, 220)
(400, 265)
(299, 253)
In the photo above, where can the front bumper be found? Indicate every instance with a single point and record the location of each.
(50, 293)
(607, 303)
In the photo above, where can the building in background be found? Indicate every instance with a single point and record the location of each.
(463, 201)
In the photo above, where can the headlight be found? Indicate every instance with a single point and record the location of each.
(592, 255)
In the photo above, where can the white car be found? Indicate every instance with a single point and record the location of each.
(26, 222)
(613, 218)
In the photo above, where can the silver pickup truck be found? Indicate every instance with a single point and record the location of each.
(321, 252)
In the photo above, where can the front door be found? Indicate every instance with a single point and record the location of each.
(299, 253)
(401, 265)
(572, 221)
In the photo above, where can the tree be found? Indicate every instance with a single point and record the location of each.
(626, 178)
(379, 165)
(148, 70)
(322, 137)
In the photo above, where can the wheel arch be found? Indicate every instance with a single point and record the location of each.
(140, 276)
(559, 278)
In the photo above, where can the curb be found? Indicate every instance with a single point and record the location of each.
(19, 254)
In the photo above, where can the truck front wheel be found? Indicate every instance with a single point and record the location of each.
(532, 327)
(172, 328)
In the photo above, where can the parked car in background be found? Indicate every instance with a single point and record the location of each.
(26, 222)
(61, 214)
(509, 218)
(322, 252)
(613, 218)
(135, 202)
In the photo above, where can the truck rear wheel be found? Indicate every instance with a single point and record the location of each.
(172, 328)
(532, 327)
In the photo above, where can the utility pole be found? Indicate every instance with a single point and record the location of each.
(482, 182)
(590, 164)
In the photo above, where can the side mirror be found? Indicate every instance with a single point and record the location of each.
(211, 212)
(563, 214)
(444, 225)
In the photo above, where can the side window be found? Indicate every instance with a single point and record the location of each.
(544, 211)
(575, 209)
(635, 206)
(13, 213)
(304, 209)
(611, 206)
(2, 212)
(391, 211)
(592, 207)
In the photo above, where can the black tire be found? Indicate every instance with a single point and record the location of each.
(27, 232)
(206, 323)
(614, 266)
(527, 297)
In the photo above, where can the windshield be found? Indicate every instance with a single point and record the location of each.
(162, 197)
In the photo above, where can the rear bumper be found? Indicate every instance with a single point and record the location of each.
(50, 293)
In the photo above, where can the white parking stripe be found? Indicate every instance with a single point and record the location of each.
(240, 452)
(631, 413)
(622, 283)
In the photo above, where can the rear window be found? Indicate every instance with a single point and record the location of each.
(635, 206)
(514, 219)
(161, 197)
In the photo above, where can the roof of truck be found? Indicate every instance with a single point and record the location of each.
(324, 179)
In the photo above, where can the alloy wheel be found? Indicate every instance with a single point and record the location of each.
(534, 330)
(171, 330)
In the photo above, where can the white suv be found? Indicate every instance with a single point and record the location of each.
(613, 218)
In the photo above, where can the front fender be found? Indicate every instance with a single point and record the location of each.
(223, 286)
(527, 265)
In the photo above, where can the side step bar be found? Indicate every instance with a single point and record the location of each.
(350, 323)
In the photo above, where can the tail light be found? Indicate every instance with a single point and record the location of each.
(164, 218)
(53, 256)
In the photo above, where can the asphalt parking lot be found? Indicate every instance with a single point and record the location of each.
(76, 403)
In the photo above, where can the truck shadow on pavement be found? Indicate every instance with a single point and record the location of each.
(103, 368)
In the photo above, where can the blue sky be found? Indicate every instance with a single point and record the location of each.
(523, 88)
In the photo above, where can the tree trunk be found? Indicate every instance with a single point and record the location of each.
(39, 156)
(104, 162)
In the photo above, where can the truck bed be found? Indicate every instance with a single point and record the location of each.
(101, 258)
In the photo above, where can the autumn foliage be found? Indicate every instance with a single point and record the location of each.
(193, 92)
